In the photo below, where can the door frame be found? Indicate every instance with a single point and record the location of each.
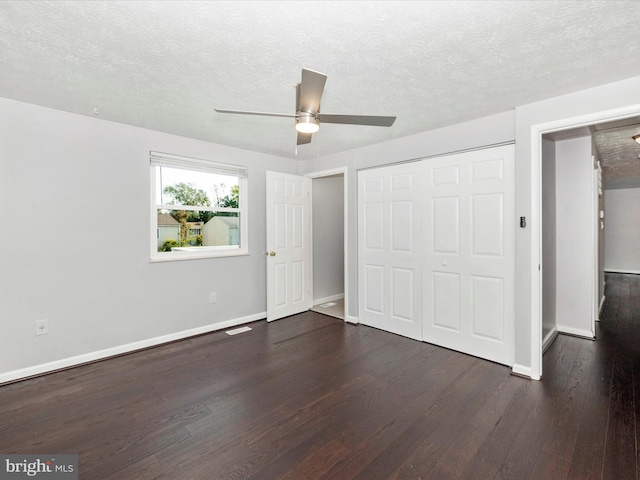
(537, 131)
(328, 173)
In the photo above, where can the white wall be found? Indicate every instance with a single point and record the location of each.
(81, 186)
(622, 230)
(328, 236)
(574, 236)
(548, 236)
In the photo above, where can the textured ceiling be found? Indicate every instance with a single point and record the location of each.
(619, 153)
(165, 65)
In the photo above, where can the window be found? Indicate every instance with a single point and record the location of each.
(198, 208)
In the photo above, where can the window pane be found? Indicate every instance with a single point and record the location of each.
(223, 229)
(191, 188)
(184, 230)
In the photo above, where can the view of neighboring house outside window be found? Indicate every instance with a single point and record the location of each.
(198, 208)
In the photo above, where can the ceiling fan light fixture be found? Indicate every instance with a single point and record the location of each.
(307, 124)
(636, 138)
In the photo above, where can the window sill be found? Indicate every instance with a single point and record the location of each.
(180, 255)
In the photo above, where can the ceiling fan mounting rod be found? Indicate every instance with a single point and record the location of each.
(300, 114)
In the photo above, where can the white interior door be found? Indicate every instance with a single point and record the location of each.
(469, 253)
(389, 261)
(288, 199)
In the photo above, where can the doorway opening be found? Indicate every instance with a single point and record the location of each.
(329, 241)
(569, 235)
(561, 196)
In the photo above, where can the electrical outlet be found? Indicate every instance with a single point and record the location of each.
(42, 327)
(213, 297)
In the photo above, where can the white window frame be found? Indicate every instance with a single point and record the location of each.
(158, 159)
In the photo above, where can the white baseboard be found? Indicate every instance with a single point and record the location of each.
(549, 338)
(121, 349)
(350, 319)
(578, 332)
(330, 298)
(523, 371)
(633, 272)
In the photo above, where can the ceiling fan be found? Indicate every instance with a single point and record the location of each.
(308, 116)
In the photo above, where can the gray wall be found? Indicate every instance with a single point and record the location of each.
(548, 236)
(328, 236)
(622, 230)
(75, 243)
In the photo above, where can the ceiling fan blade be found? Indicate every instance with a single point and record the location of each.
(311, 88)
(304, 138)
(371, 120)
(264, 114)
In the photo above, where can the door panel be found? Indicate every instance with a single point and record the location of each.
(374, 289)
(373, 227)
(445, 231)
(288, 245)
(446, 300)
(469, 253)
(487, 224)
(487, 315)
(402, 226)
(389, 233)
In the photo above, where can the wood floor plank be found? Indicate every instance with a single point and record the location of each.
(500, 439)
(458, 460)
(567, 417)
(550, 466)
(588, 453)
(383, 417)
(315, 464)
(448, 414)
(147, 468)
(619, 452)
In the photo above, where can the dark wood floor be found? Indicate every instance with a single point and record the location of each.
(309, 397)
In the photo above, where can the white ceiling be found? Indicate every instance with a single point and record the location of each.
(165, 65)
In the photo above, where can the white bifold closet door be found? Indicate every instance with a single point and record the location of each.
(436, 251)
(469, 256)
(390, 266)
